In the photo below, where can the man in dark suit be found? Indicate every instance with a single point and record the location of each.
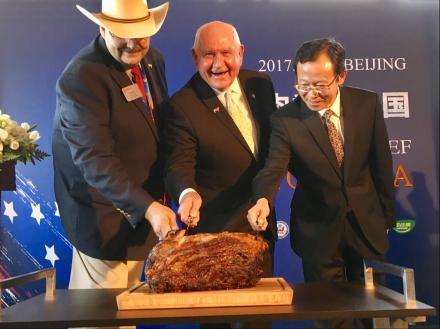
(108, 178)
(215, 136)
(333, 139)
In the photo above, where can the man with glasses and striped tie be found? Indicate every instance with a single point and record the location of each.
(333, 139)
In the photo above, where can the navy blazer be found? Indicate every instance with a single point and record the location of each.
(105, 153)
(325, 193)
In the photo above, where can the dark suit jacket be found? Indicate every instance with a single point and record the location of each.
(324, 193)
(205, 150)
(106, 155)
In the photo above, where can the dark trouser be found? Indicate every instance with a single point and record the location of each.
(258, 324)
(347, 264)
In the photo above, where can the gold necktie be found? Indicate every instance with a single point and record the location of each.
(241, 120)
(334, 136)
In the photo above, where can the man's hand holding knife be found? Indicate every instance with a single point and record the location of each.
(189, 209)
(257, 215)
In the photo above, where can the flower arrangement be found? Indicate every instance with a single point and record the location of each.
(17, 142)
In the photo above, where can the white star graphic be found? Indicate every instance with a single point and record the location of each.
(36, 213)
(57, 211)
(51, 256)
(9, 211)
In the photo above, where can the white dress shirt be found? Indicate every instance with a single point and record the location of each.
(337, 117)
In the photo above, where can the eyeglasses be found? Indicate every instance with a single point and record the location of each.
(114, 36)
(317, 88)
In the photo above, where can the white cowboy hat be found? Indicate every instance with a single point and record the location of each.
(128, 18)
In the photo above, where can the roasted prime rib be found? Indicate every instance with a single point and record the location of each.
(205, 261)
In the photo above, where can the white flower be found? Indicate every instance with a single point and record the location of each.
(34, 135)
(25, 126)
(14, 145)
(3, 134)
(18, 141)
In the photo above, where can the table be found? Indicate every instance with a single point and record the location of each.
(318, 301)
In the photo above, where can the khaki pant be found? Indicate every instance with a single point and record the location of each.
(92, 273)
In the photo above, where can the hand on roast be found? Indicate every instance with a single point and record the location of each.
(189, 208)
(161, 218)
(257, 215)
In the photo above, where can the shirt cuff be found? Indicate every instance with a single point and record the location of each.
(185, 191)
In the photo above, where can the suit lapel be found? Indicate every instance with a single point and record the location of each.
(153, 83)
(214, 106)
(251, 98)
(349, 119)
(122, 80)
(312, 121)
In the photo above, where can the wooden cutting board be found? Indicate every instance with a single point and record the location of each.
(268, 291)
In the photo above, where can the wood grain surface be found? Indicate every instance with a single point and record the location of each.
(268, 291)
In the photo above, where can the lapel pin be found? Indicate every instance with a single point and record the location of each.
(253, 96)
(216, 110)
(150, 66)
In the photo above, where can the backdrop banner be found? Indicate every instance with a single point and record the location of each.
(392, 48)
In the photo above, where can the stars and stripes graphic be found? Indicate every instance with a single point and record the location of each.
(31, 238)
(9, 211)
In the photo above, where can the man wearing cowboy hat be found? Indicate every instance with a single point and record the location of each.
(108, 179)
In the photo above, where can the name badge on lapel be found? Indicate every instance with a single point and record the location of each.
(131, 92)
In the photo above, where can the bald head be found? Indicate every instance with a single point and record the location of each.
(215, 26)
(218, 54)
